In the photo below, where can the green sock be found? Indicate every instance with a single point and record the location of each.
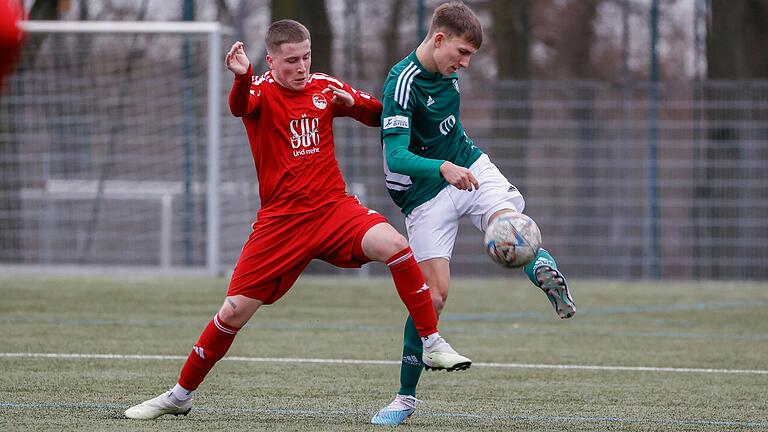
(411, 367)
(543, 257)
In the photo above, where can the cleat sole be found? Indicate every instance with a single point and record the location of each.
(557, 293)
(456, 367)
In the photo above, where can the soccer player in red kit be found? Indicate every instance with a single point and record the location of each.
(288, 115)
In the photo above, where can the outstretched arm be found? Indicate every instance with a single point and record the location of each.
(241, 100)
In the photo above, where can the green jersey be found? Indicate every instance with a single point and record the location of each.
(425, 107)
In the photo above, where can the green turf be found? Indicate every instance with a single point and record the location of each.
(661, 325)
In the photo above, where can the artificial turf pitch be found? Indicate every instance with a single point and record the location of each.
(76, 352)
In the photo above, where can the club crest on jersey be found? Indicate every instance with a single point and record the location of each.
(305, 136)
(447, 124)
(319, 101)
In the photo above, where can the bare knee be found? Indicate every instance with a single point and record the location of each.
(228, 314)
(382, 242)
(237, 311)
(397, 243)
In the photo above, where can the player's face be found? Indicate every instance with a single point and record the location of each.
(290, 64)
(452, 53)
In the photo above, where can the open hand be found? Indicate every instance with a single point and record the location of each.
(236, 59)
(340, 96)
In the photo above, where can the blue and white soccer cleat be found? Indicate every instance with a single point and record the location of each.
(552, 282)
(396, 412)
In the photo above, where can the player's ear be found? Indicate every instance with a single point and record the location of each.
(269, 60)
(438, 39)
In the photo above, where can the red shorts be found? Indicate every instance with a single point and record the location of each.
(280, 247)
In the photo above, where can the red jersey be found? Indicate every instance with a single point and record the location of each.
(291, 138)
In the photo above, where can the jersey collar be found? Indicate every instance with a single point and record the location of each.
(433, 76)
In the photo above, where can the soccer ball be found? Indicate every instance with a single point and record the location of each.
(512, 239)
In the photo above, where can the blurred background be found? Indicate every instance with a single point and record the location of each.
(636, 129)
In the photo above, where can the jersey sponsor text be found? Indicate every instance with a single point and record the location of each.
(395, 122)
(304, 134)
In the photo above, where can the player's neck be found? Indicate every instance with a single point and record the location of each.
(284, 85)
(280, 83)
(424, 54)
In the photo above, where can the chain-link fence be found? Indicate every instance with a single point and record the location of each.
(627, 181)
(103, 161)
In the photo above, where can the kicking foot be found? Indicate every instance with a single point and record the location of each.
(439, 355)
(396, 412)
(554, 286)
(166, 403)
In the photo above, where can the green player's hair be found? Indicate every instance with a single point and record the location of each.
(454, 18)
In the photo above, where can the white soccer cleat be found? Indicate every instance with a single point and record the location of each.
(166, 403)
(396, 412)
(440, 356)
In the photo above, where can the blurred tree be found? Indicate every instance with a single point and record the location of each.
(351, 36)
(43, 10)
(235, 20)
(390, 38)
(511, 35)
(569, 35)
(737, 40)
(313, 14)
(737, 49)
(82, 65)
(575, 58)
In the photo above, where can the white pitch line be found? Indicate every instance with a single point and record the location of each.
(74, 356)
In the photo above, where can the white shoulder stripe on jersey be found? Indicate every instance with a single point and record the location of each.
(408, 88)
(400, 80)
(403, 87)
(325, 77)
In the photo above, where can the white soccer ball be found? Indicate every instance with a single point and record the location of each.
(512, 239)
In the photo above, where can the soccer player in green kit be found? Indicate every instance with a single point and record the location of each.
(436, 175)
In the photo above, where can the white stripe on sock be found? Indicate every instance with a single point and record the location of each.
(401, 259)
(221, 327)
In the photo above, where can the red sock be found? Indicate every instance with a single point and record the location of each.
(214, 342)
(413, 291)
